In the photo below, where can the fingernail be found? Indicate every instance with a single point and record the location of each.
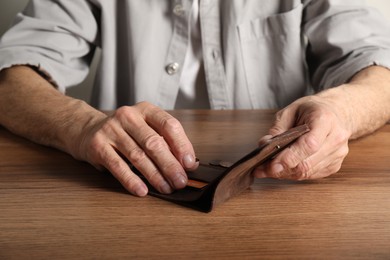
(141, 190)
(188, 161)
(277, 168)
(165, 188)
(180, 182)
(260, 174)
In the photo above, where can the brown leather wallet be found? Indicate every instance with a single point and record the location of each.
(212, 184)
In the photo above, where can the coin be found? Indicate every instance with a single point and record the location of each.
(225, 164)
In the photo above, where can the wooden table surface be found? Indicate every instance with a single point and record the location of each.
(52, 206)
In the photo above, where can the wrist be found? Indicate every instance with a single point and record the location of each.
(363, 102)
(338, 100)
(76, 127)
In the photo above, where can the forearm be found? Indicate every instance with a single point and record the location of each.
(364, 101)
(150, 139)
(31, 107)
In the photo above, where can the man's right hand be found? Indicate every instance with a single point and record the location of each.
(148, 138)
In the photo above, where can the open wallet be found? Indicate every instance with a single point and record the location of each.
(213, 183)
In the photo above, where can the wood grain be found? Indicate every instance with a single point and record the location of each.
(54, 207)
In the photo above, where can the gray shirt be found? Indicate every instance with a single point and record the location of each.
(256, 54)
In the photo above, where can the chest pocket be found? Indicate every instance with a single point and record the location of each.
(272, 50)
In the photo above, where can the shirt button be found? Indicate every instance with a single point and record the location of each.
(172, 68)
(178, 10)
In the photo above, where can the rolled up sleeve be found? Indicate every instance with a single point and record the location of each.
(56, 37)
(344, 37)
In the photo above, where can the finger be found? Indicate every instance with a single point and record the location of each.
(155, 148)
(304, 171)
(112, 133)
(260, 171)
(174, 134)
(321, 164)
(291, 156)
(307, 145)
(138, 158)
(320, 171)
(121, 171)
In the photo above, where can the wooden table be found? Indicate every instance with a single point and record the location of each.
(54, 207)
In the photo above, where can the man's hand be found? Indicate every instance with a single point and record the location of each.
(334, 116)
(148, 138)
(318, 153)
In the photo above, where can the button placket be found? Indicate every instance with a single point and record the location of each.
(169, 84)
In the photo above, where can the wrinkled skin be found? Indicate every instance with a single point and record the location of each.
(317, 154)
(147, 137)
